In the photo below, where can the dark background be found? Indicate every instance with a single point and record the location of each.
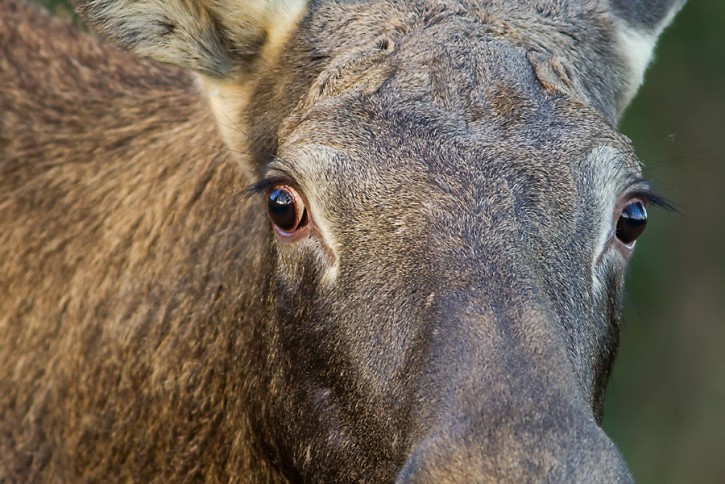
(666, 402)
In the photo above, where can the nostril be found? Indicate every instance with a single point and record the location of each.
(446, 459)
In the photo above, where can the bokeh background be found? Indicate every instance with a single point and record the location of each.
(666, 401)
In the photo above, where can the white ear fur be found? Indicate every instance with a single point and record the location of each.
(212, 37)
(637, 47)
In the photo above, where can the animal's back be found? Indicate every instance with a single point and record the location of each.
(119, 225)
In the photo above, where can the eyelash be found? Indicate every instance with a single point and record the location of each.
(264, 184)
(645, 192)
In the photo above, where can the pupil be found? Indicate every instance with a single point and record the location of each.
(281, 208)
(635, 214)
(632, 222)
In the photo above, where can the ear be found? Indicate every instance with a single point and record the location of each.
(213, 37)
(638, 24)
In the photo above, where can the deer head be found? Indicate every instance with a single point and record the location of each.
(451, 211)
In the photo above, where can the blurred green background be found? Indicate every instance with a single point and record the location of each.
(666, 403)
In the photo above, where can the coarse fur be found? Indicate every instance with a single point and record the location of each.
(452, 317)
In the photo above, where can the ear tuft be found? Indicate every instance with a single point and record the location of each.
(647, 15)
(638, 24)
(212, 37)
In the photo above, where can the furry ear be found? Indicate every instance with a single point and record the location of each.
(638, 24)
(212, 37)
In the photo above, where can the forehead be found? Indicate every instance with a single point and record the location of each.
(452, 107)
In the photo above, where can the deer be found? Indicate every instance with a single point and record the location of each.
(324, 241)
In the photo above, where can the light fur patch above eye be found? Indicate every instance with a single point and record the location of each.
(619, 182)
(607, 165)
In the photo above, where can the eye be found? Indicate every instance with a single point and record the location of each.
(286, 209)
(632, 222)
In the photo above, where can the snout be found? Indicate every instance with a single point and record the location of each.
(576, 454)
(503, 402)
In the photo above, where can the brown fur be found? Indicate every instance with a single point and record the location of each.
(115, 225)
(454, 318)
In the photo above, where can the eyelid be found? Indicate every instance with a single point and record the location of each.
(642, 188)
(267, 182)
(262, 185)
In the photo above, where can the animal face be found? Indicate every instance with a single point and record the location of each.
(448, 249)
(450, 210)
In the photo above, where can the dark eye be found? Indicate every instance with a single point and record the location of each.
(632, 222)
(286, 209)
